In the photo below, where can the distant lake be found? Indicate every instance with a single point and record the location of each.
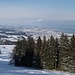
(62, 26)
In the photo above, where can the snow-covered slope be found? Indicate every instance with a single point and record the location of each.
(6, 69)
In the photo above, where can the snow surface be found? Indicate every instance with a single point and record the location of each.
(6, 69)
(25, 32)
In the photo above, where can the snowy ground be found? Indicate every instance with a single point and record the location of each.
(6, 69)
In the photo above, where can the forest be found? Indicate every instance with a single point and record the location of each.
(43, 53)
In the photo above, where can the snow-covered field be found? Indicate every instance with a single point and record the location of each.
(19, 33)
(6, 69)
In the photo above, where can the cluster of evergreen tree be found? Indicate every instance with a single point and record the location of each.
(54, 53)
(0, 51)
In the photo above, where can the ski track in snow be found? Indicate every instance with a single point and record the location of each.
(6, 69)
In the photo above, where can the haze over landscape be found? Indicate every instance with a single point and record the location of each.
(30, 11)
(37, 37)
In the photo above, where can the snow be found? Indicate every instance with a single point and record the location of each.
(6, 69)
(12, 39)
(35, 32)
(25, 32)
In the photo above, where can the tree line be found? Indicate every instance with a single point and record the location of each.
(52, 53)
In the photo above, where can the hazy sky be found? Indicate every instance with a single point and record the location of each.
(36, 10)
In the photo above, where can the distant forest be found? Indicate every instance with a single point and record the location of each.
(52, 53)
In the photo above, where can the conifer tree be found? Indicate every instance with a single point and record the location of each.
(72, 53)
(47, 55)
(23, 48)
(57, 48)
(61, 50)
(0, 51)
(64, 52)
(17, 53)
(37, 57)
(52, 52)
(17, 48)
(29, 52)
(43, 53)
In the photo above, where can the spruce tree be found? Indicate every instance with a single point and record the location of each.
(44, 53)
(29, 52)
(37, 58)
(0, 51)
(64, 52)
(47, 55)
(17, 53)
(57, 48)
(52, 52)
(72, 53)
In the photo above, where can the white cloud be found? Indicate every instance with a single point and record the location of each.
(39, 20)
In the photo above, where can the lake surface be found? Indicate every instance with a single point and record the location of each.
(62, 26)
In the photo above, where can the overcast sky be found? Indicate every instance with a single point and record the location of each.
(36, 10)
